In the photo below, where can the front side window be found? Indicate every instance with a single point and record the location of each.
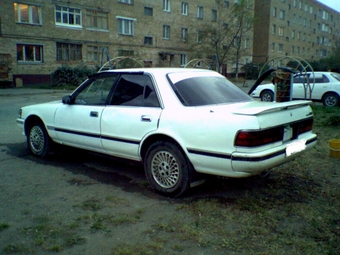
(125, 26)
(198, 89)
(29, 53)
(135, 90)
(29, 14)
(97, 20)
(68, 16)
(69, 52)
(95, 91)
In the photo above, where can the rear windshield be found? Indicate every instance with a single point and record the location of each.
(207, 90)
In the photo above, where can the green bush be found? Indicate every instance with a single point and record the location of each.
(66, 75)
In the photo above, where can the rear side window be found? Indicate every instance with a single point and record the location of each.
(208, 90)
(135, 90)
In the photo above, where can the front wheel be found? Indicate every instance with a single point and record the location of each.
(167, 169)
(38, 140)
(330, 99)
(267, 96)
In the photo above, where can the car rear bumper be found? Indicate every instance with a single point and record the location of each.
(255, 163)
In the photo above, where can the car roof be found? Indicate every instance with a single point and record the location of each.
(158, 70)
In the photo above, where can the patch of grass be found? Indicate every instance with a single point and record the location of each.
(17, 248)
(3, 226)
(92, 204)
(53, 236)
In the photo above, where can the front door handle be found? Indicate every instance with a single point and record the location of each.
(93, 114)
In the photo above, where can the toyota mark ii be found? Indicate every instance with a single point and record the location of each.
(180, 123)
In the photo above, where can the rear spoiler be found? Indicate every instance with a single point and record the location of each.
(266, 107)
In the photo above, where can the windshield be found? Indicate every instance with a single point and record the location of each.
(207, 90)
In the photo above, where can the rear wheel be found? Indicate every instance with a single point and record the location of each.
(167, 169)
(38, 140)
(330, 99)
(267, 96)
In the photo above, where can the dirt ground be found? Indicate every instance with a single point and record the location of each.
(77, 202)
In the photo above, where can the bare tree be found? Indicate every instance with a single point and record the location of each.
(222, 39)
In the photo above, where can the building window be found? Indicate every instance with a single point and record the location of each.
(226, 4)
(292, 50)
(184, 59)
(148, 40)
(29, 53)
(200, 12)
(97, 20)
(125, 26)
(293, 34)
(199, 36)
(214, 15)
(247, 43)
(126, 1)
(69, 52)
(282, 14)
(148, 11)
(184, 34)
(274, 12)
(185, 8)
(281, 31)
(95, 53)
(125, 53)
(166, 32)
(68, 16)
(280, 47)
(29, 14)
(166, 5)
(273, 46)
(273, 29)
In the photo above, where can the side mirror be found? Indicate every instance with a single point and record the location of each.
(67, 99)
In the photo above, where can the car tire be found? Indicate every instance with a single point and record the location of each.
(267, 96)
(38, 140)
(330, 99)
(167, 169)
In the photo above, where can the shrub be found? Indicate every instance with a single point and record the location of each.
(66, 75)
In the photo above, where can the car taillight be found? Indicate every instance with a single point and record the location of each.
(306, 126)
(259, 137)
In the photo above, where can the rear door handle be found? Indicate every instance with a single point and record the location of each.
(93, 114)
(146, 118)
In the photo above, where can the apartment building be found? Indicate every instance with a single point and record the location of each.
(299, 28)
(38, 36)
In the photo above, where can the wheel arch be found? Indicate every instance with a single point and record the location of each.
(31, 119)
(155, 138)
(266, 90)
(330, 92)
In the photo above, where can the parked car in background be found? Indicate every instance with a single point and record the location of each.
(180, 123)
(325, 88)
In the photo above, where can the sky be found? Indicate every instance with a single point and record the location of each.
(334, 4)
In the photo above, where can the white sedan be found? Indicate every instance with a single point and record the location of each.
(323, 87)
(181, 123)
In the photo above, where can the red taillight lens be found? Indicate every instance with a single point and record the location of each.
(306, 126)
(259, 137)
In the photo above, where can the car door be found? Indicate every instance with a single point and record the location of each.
(78, 123)
(322, 85)
(299, 83)
(134, 111)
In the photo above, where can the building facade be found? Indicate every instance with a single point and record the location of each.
(300, 28)
(38, 36)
